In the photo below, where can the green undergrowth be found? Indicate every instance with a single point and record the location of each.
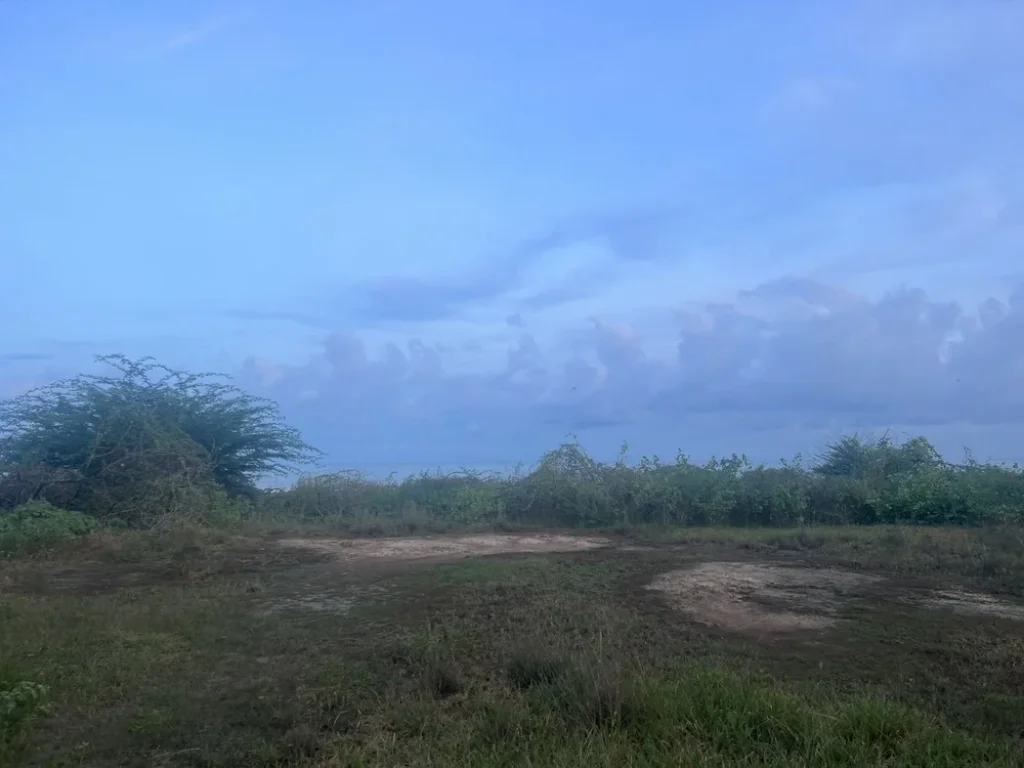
(428, 710)
(856, 482)
(37, 525)
(575, 714)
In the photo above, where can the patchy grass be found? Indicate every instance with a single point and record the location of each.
(195, 648)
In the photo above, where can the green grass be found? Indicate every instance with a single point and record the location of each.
(213, 648)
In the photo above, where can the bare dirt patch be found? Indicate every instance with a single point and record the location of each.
(355, 550)
(976, 604)
(729, 595)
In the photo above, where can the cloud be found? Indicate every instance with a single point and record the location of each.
(196, 35)
(299, 318)
(411, 300)
(787, 353)
(638, 234)
(834, 222)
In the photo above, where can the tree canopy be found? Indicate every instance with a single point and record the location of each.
(147, 435)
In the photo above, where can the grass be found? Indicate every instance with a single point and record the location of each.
(195, 647)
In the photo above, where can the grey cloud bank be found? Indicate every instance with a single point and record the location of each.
(793, 355)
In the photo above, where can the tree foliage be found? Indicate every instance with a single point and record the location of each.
(146, 442)
(861, 459)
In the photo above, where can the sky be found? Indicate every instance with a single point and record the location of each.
(459, 233)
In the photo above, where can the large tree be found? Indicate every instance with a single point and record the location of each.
(96, 440)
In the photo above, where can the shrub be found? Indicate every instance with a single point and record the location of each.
(39, 524)
(21, 703)
(143, 446)
(856, 482)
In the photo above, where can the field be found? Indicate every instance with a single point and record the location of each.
(158, 608)
(263, 646)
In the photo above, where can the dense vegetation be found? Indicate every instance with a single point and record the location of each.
(142, 448)
(151, 446)
(856, 482)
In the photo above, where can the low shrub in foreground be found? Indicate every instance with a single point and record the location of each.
(21, 703)
(38, 524)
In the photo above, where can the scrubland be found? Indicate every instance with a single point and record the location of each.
(864, 607)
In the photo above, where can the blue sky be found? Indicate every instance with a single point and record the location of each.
(456, 232)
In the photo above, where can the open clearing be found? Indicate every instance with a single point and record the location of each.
(717, 648)
(739, 597)
(766, 598)
(725, 595)
(444, 546)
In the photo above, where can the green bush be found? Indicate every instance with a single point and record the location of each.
(856, 482)
(21, 703)
(39, 524)
(147, 446)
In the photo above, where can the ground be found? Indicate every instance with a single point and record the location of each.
(628, 648)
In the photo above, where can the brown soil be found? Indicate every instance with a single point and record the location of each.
(355, 550)
(723, 595)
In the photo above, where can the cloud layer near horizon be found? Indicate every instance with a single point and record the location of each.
(791, 353)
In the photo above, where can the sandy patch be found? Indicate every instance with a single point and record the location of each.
(454, 546)
(976, 604)
(723, 595)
